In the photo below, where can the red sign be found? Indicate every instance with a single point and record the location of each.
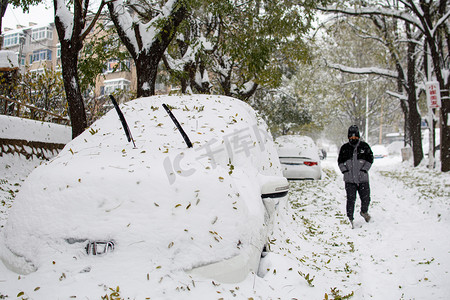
(433, 94)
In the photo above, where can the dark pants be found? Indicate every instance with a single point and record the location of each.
(364, 193)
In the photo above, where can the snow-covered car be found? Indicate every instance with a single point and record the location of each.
(395, 148)
(299, 157)
(379, 151)
(152, 202)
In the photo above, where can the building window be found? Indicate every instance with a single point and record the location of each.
(22, 60)
(113, 65)
(116, 84)
(41, 55)
(58, 51)
(11, 40)
(42, 33)
(37, 71)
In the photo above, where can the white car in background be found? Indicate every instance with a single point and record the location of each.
(299, 157)
(195, 191)
(380, 151)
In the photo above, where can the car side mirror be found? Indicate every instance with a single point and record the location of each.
(274, 187)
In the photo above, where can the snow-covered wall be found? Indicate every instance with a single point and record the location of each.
(32, 130)
(32, 138)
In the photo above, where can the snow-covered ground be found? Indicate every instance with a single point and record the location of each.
(403, 253)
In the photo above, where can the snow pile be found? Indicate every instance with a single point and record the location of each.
(402, 253)
(13, 170)
(30, 130)
(8, 60)
(167, 208)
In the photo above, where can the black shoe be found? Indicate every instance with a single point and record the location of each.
(366, 216)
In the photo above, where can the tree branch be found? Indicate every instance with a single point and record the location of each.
(85, 33)
(371, 11)
(364, 71)
(401, 97)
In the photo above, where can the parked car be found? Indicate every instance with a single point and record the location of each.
(379, 151)
(192, 186)
(299, 157)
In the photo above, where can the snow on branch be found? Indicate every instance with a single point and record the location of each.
(370, 70)
(440, 22)
(375, 11)
(149, 30)
(126, 23)
(140, 35)
(397, 95)
(65, 17)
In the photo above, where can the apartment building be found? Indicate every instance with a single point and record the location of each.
(37, 47)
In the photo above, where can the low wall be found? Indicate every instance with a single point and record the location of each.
(29, 149)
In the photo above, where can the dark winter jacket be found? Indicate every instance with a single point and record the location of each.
(355, 161)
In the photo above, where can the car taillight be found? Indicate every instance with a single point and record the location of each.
(310, 163)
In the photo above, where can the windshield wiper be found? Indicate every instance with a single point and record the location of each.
(122, 119)
(183, 134)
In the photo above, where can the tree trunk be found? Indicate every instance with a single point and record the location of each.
(407, 135)
(146, 70)
(445, 109)
(415, 129)
(445, 130)
(70, 47)
(414, 116)
(436, 56)
(3, 6)
(77, 112)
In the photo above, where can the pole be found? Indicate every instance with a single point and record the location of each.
(367, 111)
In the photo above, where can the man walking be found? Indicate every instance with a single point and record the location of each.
(355, 159)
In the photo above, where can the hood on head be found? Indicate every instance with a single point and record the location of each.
(353, 131)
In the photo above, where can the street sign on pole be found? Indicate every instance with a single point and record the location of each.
(433, 94)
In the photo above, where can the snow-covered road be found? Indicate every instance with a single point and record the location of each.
(403, 253)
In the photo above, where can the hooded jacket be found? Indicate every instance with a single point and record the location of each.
(355, 161)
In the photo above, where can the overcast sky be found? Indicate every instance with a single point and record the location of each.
(40, 14)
